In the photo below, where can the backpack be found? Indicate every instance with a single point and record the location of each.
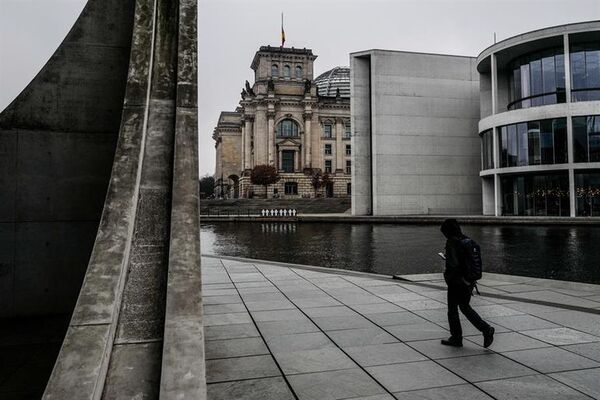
(473, 265)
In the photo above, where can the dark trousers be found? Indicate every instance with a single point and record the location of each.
(459, 296)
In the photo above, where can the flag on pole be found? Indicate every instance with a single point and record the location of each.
(282, 32)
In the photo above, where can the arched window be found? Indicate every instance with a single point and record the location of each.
(286, 71)
(298, 72)
(287, 128)
(275, 70)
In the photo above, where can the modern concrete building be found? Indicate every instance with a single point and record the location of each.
(288, 120)
(414, 119)
(540, 122)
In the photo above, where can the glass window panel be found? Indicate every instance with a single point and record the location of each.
(533, 143)
(549, 74)
(298, 72)
(587, 191)
(525, 85)
(523, 147)
(512, 145)
(559, 127)
(559, 62)
(274, 70)
(286, 71)
(593, 130)
(592, 68)
(517, 84)
(546, 142)
(537, 84)
(578, 70)
(580, 142)
(504, 147)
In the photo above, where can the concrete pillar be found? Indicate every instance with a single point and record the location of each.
(497, 195)
(494, 83)
(567, 58)
(271, 138)
(248, 129)
(307, 141)
(339, 151)
(572, 194)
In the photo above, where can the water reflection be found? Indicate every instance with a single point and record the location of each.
(566, 253)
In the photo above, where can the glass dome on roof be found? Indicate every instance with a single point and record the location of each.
(329, 82)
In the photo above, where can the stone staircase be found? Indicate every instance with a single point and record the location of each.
(253, 206)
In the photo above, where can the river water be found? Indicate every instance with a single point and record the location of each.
(557, 252)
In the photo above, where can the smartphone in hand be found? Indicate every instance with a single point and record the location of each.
(442, 255)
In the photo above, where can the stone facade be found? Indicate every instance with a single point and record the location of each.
(288, 120)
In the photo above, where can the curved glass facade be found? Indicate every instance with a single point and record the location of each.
(533, 143)
(585, 72)
(537, 79)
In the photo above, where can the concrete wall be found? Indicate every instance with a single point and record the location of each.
(360, 106)
(425, 153)
(57, 143)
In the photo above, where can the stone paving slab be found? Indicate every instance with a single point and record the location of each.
(275, 331)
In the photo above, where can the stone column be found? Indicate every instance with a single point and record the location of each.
(339, 151)
(271, 138)
(260, 137)
(307, 140)
(296, 161)
(243, 150)
(248, 129)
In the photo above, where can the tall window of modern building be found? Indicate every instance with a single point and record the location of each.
(287, 128)
(587, 190)
(534, 194)
(585, 72)
(537, 79)
(298, 72)
(348, 150)
(348, 166)
(533, 143)
(328, 166)
(586, 138)
(487, 145)
(328, 149)
(327, 130)
(290, 188)
(286, 71)
(287, 160)
(347, 130)
(274, 70)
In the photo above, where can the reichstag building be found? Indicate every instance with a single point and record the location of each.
(290, 121)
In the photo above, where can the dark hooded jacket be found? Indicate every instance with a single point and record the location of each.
(454, 271)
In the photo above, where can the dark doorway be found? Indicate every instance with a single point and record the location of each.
(329, 189)
(287, 160)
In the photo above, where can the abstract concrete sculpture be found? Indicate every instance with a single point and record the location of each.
(99, 203)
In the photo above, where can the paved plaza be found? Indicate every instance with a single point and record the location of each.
(276, 331)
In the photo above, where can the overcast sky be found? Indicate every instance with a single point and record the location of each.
(230, 32)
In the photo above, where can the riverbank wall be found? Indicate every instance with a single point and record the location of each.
(405, 219)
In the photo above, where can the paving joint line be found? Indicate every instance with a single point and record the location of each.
(387, 278)
(495, 352)
(261, 335)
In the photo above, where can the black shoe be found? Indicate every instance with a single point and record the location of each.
(451, 341)
(488, 337)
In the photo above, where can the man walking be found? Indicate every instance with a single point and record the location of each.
(459, 288)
